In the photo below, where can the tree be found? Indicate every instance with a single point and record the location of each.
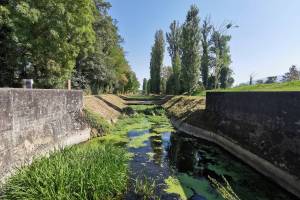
(145, 86)
(166, 73)
(292, 75)
(105, 69)
(67, 24)
(226, 79)
(173, 39)
(221, 58)
(205, 58)
(191, 38)
(156, 62)
(271, 79)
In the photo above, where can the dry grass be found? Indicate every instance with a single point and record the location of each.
(181, 106)
(98, 106)
(115, 100)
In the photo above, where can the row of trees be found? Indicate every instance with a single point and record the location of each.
(53, 41)
(199, 53)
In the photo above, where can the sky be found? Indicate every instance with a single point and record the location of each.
(266, 43)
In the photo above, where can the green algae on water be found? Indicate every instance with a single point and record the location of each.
(139, 141)
(182, 184)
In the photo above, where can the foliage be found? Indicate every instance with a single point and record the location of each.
(97, 123)
(271, 79)
(191, 38)
(174, 39)
(85, 46)
(145, 82)
(292, 75)
(166, 73)
(221, 60)
(34, 23)
(88, 171)
(205, 58)
(156, 62)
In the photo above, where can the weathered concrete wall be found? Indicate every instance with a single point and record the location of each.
(34, 122)
(260, 128)
(266, 123)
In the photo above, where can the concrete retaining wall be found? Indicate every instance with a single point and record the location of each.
(264, 123)
(34, 122)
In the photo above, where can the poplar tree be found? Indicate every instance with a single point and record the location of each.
(145, 86)
(173, 39)
(190, 45)
(221, 59)
(156, 62)
(205, 58)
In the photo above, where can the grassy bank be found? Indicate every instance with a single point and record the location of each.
(97, 169)
(288, 86)
(88, 171)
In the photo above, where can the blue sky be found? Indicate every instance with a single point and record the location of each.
(266, 43)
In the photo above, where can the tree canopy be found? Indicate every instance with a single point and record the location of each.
(53, 41)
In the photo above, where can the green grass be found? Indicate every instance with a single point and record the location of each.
(98, 124)
(97, 169)
(273, 87)
(88, 171)
(287, 86)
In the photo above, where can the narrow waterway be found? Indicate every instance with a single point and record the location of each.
(182, 166)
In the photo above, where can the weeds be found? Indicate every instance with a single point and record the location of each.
(145, 189)
(224, 190)
(88, 171)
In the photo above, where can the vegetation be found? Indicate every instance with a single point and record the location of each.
(286, 86)
(186, 186)
(98, 124)
(224, 190)
(145, 189)
(88, 171)
(197, 51)
(139, 141)
(173, 39)
(292, 75)
(156, 62)
(85, 46)
(145, 86)
(190, 46)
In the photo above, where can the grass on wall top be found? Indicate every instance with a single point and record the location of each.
(287, 86)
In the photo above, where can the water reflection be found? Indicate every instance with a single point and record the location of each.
(201, 159)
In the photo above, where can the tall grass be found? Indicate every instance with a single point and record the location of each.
(93, 171)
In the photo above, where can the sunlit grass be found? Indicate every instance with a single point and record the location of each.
(87, 171)
(287, 86)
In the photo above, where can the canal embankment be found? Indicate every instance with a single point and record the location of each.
(260, 128)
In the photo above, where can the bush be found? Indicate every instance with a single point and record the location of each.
(98, 124)
(90, 171)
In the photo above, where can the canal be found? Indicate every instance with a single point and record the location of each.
(174, 165)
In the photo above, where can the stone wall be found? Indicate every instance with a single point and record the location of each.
(265, 123)
(34, 122)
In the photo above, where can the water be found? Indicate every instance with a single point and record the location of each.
(191, 161)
